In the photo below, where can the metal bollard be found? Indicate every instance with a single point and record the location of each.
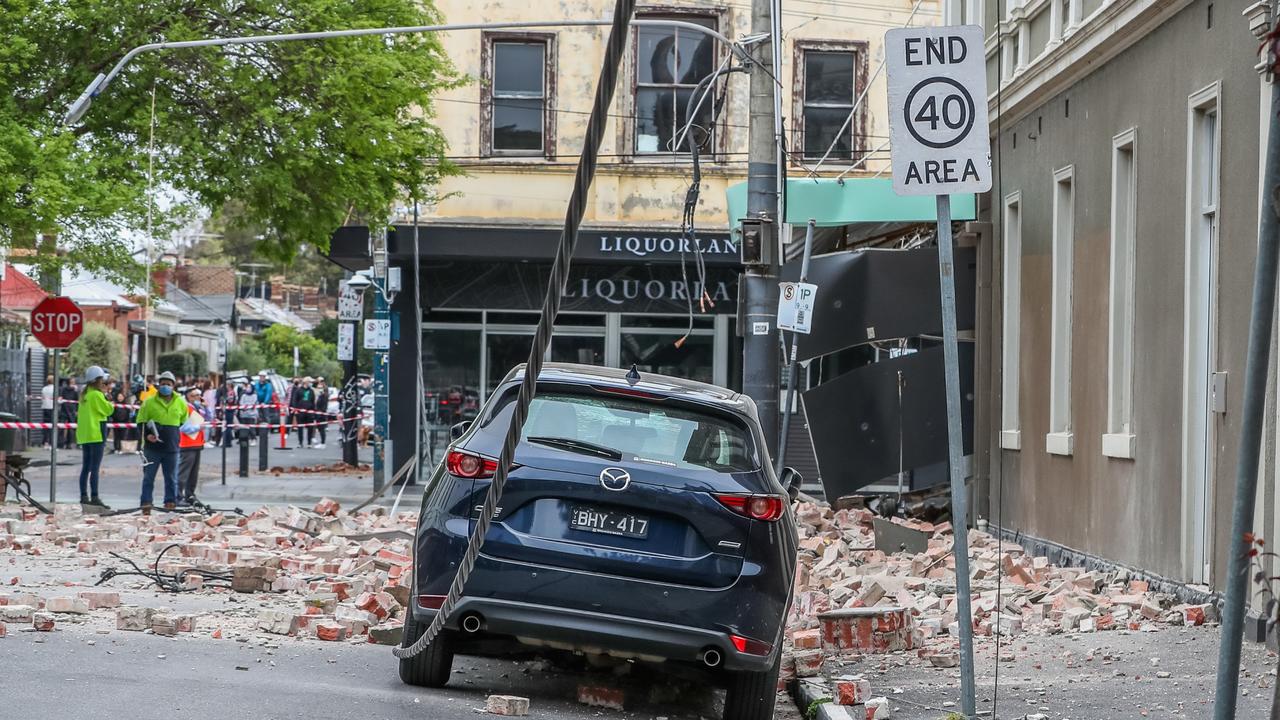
(244, 457)
(263, 444)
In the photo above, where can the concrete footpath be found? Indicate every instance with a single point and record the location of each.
(294, 477)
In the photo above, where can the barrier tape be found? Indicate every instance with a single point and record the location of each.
(222, 408)
(211, 423)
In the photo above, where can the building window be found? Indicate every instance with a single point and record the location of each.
(1011, 362)
(517, 115)
(1059, 439)
(670, 61)
(830, 80)
(1118, 441)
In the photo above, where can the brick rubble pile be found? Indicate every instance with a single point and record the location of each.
(853, 600)
(318, 573)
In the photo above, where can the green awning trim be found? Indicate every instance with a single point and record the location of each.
(856, 200)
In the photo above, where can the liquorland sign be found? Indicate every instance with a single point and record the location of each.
(713, 246)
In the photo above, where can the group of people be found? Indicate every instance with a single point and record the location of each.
(170, 430)
(173, 426)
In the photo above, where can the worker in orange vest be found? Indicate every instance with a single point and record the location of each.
(190, 443)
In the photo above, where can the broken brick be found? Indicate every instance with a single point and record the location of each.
(600, 696)
(509, 705)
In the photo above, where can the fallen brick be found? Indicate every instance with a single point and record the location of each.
(509, 705)
(852, 692)
(599, 696)
(133, 618)
(42, 621)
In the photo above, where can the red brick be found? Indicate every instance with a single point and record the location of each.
(599, 696)
(331, 631)
(806, 639)
(508, 705)
(808, 663)
(852, 692)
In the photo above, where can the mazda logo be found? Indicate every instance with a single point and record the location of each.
(615, 479)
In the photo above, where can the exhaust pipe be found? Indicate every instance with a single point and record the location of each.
(711, 657)
(472, 623)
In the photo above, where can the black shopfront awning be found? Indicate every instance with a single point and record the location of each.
(496, 267)
(349, 246)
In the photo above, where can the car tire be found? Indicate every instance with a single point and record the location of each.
(751, 695)
(432, 666)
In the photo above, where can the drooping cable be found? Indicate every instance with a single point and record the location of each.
(615, 47)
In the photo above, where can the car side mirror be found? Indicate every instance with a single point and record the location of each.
(458, 430)
(791, 480)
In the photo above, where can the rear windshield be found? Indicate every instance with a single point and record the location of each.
(641, 431)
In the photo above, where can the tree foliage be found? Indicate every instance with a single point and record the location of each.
(300, 135)
(274, 349)
(97, 345)
(327, 330)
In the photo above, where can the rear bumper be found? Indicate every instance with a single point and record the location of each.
(593, 632)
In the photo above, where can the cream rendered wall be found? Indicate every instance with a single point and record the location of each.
(634, 191)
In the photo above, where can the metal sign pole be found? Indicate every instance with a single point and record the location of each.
(791, 361)
(955, 454)
(57, 434)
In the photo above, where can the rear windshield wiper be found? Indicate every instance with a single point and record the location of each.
(581, 446)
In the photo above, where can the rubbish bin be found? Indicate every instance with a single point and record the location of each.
(8, 436)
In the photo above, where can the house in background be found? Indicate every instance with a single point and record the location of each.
(256, 315)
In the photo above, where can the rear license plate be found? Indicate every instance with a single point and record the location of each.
(609, 522)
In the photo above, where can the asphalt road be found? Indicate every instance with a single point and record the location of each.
(138, 676)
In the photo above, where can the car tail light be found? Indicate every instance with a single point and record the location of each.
(470, 465)
(757, 507)
(433, 602)
(749, 646)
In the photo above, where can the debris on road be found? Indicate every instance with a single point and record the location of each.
(319, 573)
(509, 705)
(854, 601)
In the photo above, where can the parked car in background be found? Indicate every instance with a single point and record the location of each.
(641, 520)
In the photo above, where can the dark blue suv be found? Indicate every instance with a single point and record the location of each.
(641, 520)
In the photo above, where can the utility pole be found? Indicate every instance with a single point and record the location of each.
(1257, 359)
(759, 281)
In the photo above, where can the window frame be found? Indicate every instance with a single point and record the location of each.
(1119, 440)
(1060, 440)
(1011, 322)
(859, 146)
(629, 136)
(487, 59)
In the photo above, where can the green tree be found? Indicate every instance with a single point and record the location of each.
(246, 356)
(300, 135)
(315, 356)
(97, 345)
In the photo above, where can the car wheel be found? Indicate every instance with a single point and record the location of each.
(751, 695)
(431, 667)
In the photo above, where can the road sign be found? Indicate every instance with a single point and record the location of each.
(938, 128)
(350, 304)
(346, 341)
(377, 334)
(57, 322)
(795, 306)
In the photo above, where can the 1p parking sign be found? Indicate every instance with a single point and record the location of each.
(938, 126)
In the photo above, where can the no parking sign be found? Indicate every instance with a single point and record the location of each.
(938, 126)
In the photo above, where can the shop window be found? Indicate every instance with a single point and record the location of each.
(517, 116)
(670, 61)
(656, 353)
(828, 89)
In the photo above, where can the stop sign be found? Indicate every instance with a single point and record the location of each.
(57, 322)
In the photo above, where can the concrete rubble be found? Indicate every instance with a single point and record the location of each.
(854, 602)
(310, 573)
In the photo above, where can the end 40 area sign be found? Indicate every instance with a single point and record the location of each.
(938, 110)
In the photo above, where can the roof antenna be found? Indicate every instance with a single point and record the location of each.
(633, 375)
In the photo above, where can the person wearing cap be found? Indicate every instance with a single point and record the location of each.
(190, 443)
(266, 396)
(91, 424)
(159, 420)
